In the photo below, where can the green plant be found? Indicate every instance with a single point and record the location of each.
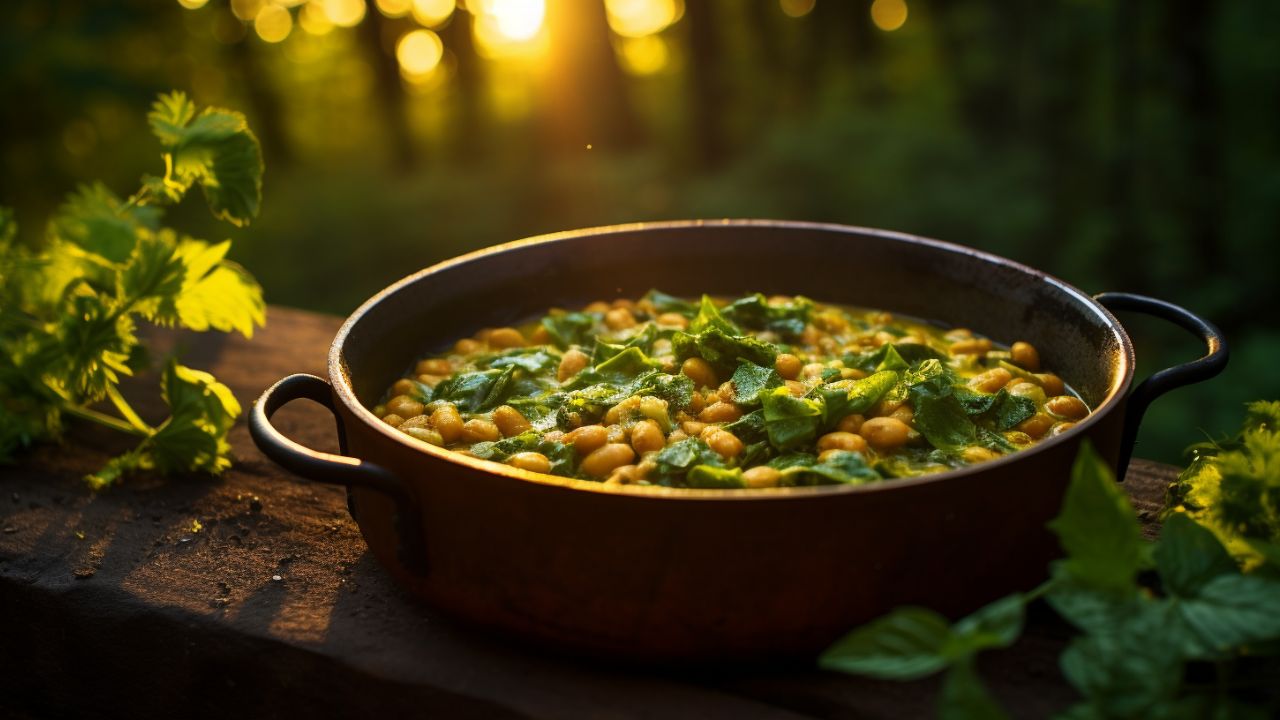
(71, 304)
(1137, 640)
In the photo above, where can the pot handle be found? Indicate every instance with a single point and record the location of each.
(334, 469)
(1212, 363)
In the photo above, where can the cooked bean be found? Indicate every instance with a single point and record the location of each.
(905, 414)
(605, 459)
(826, 455)
(700, 372)
(587, 438)
(430, 380)
(693, 427)
(571, 363)
(425, 434)
(540, 336)
(1051, 383)
(725, 443)
(851, 423)
(619, 319)
(1036, 425)
(509, 421)
(1067, 407)
(597, 307)
(761, 476)
(474, 431)
(885, 433)
(1060, 428)
(840, 440)
(696, 403)
(1025, 356)
(976, 454)
(1029, 390)
(720, 412)
(991, 380)
(404, 386)
(623, 475)
(531, 461)
(851, 374)
(392, 419)
(434, 366)
(676, 436)
(466, 346)
(796, 388)
(812, 370)
(446, 420)
(506, 337)
(647, 436)
(622, 410)
(405, 406)
(973, 346)
(675, 320)
(886, 406)
(788, 366)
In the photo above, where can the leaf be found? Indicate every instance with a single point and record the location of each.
(1128, 671)
(892, 361)
(216, 293)
(1088, 608)
(676, 460)
(709, 318)
(570, 328)
(1232, 610)
(846, 397)
(965, 697)
(997, 624)
(790, 421)
(1188, 556)
(1097, 527)
(620, 369)
(942, 421)
(751, 380)
(840, 467)
(215, 149)
(469, 390)
(195, 435)
(531, 360)
(93, 219)
(561, 455)
(665, 303)
(710, 476)
(912, 353)
(722, 350)
(755, 312)
(1002, 410)
(906, 644)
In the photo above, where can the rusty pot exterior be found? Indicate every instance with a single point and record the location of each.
(667, 574)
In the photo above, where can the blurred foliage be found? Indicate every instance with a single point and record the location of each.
(1118, 145)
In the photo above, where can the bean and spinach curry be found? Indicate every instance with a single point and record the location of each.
(755, 392)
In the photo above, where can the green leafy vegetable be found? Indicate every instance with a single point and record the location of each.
(755, 312)
(840, 467)
(751, 380)
(712, 477)
(561, 455)
(71, 307)
(791, 422)
(570, 328)
(1133, 656)
(724, 351)
(665, 303)
(709, 318)
(846, 397)
(677, 459)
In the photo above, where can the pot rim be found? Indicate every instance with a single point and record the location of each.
(341, 383)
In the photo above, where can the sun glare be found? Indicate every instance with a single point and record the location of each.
(637, 18)
(515, 20)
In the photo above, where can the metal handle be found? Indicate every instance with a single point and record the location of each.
(1213, 362)
(334, 469)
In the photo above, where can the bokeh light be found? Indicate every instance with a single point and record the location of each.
(273, 23)
(796, 8)
(889, 15)
(505, 29)
(192, 4)
(419, 53)
(247, 10)
(395, 8)
(344, 13)
(313, 19)
(648, 55)
(431, 13)
(637, 18)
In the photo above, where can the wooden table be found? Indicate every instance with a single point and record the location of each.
(254, 594)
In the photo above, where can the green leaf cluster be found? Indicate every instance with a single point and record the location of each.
(1137, 641)
(1233, 487)
(70, 304)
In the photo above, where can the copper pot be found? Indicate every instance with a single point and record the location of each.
(667, 574)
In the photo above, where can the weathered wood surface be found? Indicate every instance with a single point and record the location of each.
(254, 594)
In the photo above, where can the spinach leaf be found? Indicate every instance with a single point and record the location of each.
(677, 390)
(561, 455)
(750, 380)
(755, 312)
(619, 369)
(724, 351)
(892, 360)
(642, 340)
(710, 476)
(942, 420)
(749, 428)
(570, 328)
(790, 421)
(1002, 410)
(476, 391)
(709, 318)
(665, 303)
(911, 353)
(533, 360)
(677, 459)
(840, 467)
(847, 397)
